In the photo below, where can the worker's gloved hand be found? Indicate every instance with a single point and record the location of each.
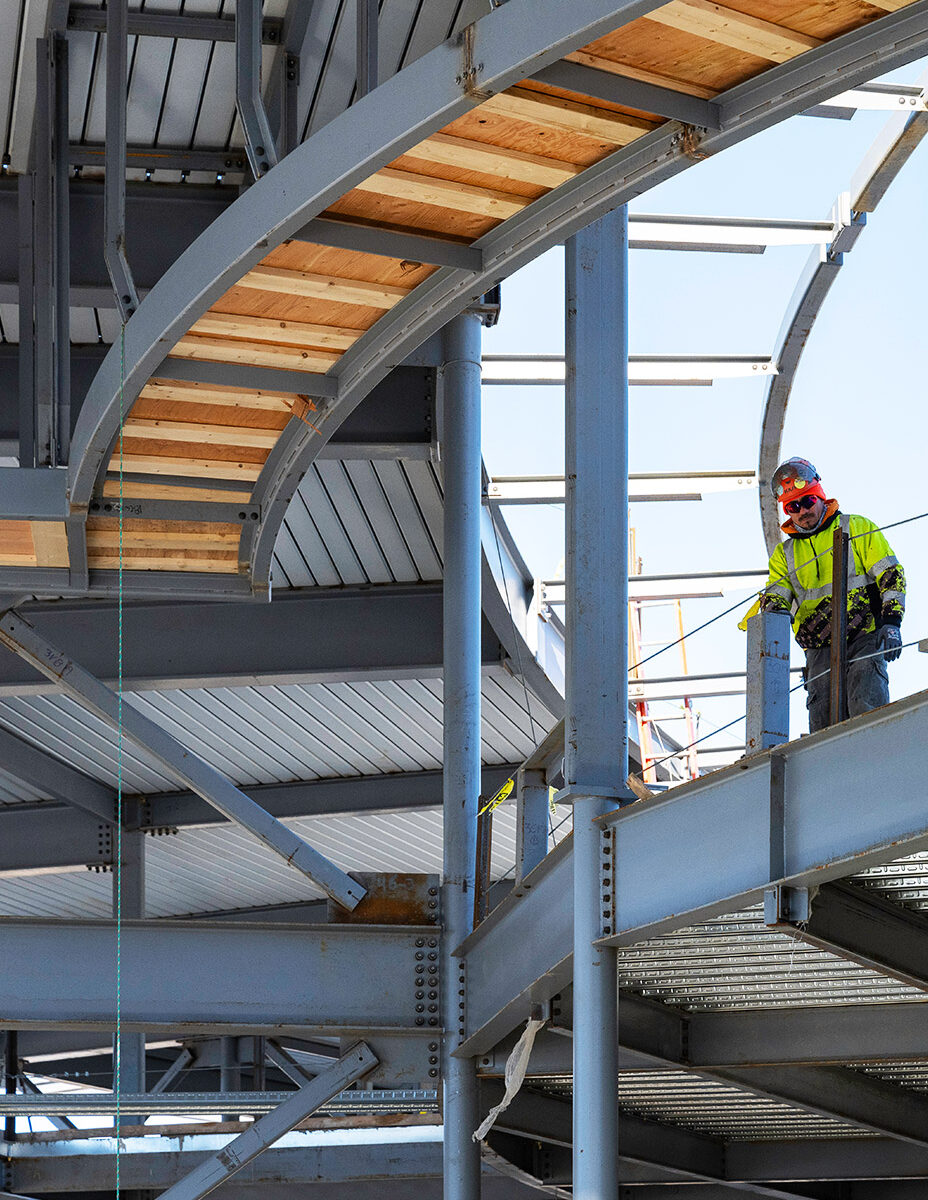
(889, 640)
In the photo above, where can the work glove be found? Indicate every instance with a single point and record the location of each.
(889, 640)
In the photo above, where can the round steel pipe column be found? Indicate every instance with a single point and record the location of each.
(596, 725)
(461, 756)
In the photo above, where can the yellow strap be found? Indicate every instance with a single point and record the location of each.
(503, 794)
(752, 612)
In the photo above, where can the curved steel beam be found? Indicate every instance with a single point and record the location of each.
(880, 167)
(502, 48)
(747, 109)
(507, 44)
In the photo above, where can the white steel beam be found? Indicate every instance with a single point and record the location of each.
(23, 639)
(880, 97)
(695, 586)
(652, 370)
(733, 235)
(670, 485)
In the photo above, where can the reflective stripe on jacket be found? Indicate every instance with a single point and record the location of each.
(801, 579)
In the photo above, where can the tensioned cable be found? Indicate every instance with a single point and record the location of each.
(760, 592)
(795, 688)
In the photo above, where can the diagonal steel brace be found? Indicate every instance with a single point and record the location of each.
(26, 641)
(248, 1145)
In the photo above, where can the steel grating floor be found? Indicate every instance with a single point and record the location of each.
(712, 1108)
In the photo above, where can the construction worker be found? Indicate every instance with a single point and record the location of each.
(800, 583)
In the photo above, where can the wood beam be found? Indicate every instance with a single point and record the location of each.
(493, 160)
(443, 193)
(551, 112)
(264, 329)
(323, 287)
(737, 30)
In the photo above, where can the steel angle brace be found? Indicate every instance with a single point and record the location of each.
(259, 141)
(248, 1145)
(24, 640)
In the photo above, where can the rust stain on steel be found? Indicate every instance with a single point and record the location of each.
(392, 899)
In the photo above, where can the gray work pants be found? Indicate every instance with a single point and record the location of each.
(867, 680)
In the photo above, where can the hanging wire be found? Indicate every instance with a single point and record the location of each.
(795, 688)
(760, 592)
(117, 1048)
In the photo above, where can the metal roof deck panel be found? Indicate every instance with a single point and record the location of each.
(15, 791)
(221, 868)
(357, 522)
(61, 727)
(275, 734)
(709, 1107)
(408, 29)
(904, 881)
(736, 962)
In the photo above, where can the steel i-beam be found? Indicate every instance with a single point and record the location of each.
(23, 639)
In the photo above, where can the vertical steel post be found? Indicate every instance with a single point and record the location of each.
(258, 1064)
(461, 749)
(114, 190)
(132, 1045)
(46, 344)
(596, 723)
(531, 821)
(10, 1073)
(230, 1069)
(62, 249)
(26, 218)
(838, 677)
(767, 681)
(367, 50)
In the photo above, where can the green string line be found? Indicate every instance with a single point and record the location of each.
(117, 1049)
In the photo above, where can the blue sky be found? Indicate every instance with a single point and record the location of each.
(857, 409)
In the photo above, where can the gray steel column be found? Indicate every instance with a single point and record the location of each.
(767, 681)
(367, 49)
(531, 821)
(461, 786)
(132, 880)
(26, 218)
(10, 1074)
(596, 723)
(45, 380)
(62, 247)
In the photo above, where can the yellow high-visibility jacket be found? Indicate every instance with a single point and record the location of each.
(801, 576)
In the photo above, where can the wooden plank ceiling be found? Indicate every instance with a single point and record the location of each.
(304, 305)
